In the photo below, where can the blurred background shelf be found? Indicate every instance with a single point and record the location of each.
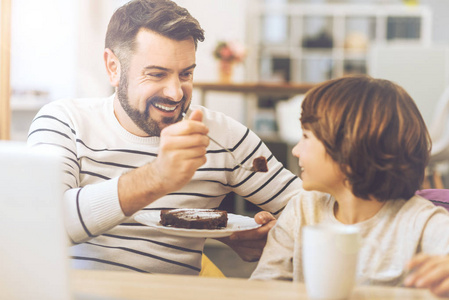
(24, 106)
(256, 95)
(297, 42)
(28, 105)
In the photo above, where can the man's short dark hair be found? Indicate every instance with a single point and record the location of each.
(163, 17)
(373, 129)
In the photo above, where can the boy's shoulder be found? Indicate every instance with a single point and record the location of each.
(419, 201)
(314, 197)
(312, 203)
(418, 207)
(438, 197)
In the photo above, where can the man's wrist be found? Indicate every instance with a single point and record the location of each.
(140, 187)
(156, 185)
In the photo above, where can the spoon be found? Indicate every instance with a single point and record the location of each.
(259, 163)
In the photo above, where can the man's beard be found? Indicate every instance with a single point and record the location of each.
(143, 119)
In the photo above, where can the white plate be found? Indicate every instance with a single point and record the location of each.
(235, 223)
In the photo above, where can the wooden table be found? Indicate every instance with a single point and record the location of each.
(135, 286)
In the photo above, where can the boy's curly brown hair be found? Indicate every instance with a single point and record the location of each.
(373, 129)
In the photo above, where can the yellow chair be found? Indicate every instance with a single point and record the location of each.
(209, 269)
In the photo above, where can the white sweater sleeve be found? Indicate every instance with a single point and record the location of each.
(434, 223)
(90, 210)
(277, 258)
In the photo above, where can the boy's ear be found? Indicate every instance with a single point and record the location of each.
(346, 168)
(112, 67)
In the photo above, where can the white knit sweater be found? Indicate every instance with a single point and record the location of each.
(96, 150)
(400, 230)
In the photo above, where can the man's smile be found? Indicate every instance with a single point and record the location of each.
(165, 107)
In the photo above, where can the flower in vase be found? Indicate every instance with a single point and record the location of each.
(232, 51)
(228, 54)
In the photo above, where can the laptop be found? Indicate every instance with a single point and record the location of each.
(33, 245)
(33, 242)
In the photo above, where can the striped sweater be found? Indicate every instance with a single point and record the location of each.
(96, 150)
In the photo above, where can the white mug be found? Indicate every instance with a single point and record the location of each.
(329, 259)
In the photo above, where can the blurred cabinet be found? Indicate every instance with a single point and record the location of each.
(24, 106)
(22, 114)
(293, 42)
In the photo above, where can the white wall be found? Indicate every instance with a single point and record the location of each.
(92, 21)
(43, 47)
(43, 57)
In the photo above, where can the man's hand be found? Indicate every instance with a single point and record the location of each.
(182, 151)
(249, 244)
(429, 271)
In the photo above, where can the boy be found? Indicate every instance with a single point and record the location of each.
(363, 153)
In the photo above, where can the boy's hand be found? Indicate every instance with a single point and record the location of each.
(249, 244)
(429, 271)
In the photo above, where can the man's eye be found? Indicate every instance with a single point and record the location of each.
(156, 75)
(304, 136)
(187, 75)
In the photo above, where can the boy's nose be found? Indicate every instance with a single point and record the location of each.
(295, 150)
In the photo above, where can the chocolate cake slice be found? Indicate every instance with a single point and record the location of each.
(194, 218)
